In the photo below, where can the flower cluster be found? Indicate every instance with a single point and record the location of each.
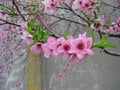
(75, 49)
(115, 27)
(85, 5)
(51, 5)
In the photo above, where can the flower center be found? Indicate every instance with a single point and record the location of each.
(80, 2)
(39, 45)
(53, 4)
(80, 46)
(66, 47)
(87, 5)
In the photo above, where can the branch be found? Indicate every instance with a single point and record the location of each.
(18, 10)
(111, 35)
(65, 19)
(7, 22)
(111, 5)
(110, 52)
(71, 10)
(107, 51)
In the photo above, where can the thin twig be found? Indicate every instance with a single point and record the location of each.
(7, 22)
(18, 10)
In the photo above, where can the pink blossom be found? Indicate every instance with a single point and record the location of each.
(65, 46)
(50, 47)
(84, 5)
(98, 25)
(27, 37)
(82, 46)
(61, 76)
(114, 28)
(36, 48)
(78, 4)
(50, 5)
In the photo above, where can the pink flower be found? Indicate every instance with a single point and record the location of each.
(50, 6)
(84, 5)
(28, 37)
(114, 28)
(61, 76)
(78, 4)
(99, 25)
(36, 48)
(24, 26)
(81, 46)
(65, 46)
(50, 47)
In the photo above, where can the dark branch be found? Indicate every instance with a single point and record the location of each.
(18, 10)
(7, 22)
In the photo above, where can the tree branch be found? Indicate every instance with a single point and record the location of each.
(14, 3)
(7, 22)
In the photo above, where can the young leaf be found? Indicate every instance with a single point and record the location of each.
(30, 25)
(13, 11)
(107, 24)
(65, 34)
(104, 44)
(45, 35)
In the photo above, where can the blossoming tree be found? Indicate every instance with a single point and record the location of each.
(46, 27)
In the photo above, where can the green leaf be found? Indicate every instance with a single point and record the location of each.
(91, 32)
(36, 8)
(13, 11)
(96, 7)
(2, 7)
(107, 24)
(103, 43)
(30, 25)
(45, 35)
(104, 38)
(65, 34)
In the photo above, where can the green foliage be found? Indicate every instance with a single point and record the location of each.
(97, 7)
(30, 25)
(36, 8)
(107, 24)
(103, 43)
(65, 34)
(2, 7)
(37, 32)
(13, 11)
